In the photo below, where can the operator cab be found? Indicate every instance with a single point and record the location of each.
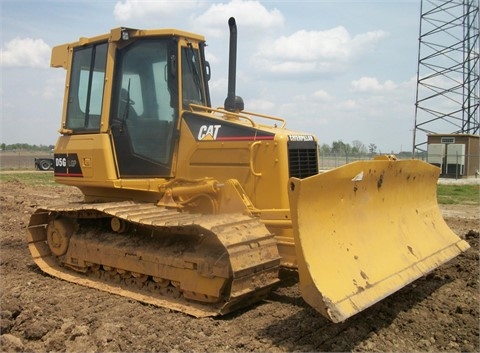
(156, 75)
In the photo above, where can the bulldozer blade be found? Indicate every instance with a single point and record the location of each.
(364, 230)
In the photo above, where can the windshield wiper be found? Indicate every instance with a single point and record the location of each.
(126, 112)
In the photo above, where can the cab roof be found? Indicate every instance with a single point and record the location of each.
(60, 52)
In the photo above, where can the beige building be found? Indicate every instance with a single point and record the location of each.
(458, 155)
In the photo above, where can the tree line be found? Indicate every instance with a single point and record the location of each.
(357, 148)
(26, 147)
(342, 148)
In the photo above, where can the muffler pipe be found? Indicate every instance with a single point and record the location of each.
(232, 102)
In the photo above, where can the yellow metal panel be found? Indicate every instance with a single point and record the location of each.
(59, 56)
(365, 230)
(94, 155)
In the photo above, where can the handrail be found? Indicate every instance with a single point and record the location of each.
(252, 167)
(241, 115)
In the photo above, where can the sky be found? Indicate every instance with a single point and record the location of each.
(341, 70)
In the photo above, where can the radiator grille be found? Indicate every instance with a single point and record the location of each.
(302, 159)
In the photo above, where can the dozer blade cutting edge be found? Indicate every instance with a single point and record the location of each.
(365, 230)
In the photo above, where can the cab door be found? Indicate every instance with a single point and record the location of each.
(144, 111)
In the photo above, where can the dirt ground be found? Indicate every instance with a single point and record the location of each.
(438, 312)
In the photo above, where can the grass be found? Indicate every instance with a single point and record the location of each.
(30, 178)
(458, 194)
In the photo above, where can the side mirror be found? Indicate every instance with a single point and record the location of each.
(208, 72)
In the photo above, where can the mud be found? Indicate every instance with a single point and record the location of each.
(438, 312)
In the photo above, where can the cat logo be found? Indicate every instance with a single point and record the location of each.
(208, 132)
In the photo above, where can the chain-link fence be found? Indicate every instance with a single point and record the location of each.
(334, 160)
(454, 166)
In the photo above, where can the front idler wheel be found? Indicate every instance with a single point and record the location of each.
(59, 232)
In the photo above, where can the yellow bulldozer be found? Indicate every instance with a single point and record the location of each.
(196, 208)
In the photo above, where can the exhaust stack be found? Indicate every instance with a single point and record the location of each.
(233, 103)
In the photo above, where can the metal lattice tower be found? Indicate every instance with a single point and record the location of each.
(447, 99)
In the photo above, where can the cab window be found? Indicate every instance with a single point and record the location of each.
(192, 91)
(86, 88)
